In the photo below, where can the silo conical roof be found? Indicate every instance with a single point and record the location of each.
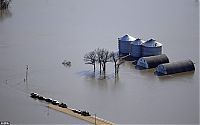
(152, 43)
(126, 38)
(137, 42)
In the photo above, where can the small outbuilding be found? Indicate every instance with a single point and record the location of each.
(175, 67)
(151, 48)
(124, 44)
(152, 61)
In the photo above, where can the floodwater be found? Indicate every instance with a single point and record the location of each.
(43, 33)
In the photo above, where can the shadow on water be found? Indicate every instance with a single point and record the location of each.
(140, 68)
(177, 76)
(4, 14)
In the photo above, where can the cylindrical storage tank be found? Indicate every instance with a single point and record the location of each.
(136, 48)
(151, 48)
(124, 44)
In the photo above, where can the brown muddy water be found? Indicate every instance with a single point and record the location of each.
(43, 33)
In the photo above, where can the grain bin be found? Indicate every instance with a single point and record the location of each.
(124, 44)
(136, 48)
(175, 67)
(151, 47)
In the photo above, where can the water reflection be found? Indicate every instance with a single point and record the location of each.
(87, 74)
(67, 66)
(149, 73)
(97, 75)
(100, 80)
(178, 76)
(5, 14)
(4, 44)
(116, 78)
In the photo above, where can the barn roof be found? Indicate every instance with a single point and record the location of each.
(152, 43)
(154, 61)
(179, 66)
(126, 38)
(137, 42)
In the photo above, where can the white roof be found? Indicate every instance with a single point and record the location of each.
(126, 38)
(137, 42)
(152, 43)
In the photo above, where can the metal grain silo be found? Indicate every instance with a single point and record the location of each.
(151, 48)
(124, 44)
(136, 48)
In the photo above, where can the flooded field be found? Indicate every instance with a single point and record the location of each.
(43, 33)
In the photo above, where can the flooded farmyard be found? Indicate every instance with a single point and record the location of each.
(44, 33)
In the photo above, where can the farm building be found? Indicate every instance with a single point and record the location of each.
(124, 44)
(175, 67)
(152, 61)
(136, 48)
(151, 48)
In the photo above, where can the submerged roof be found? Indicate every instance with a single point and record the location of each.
(152, 43)
(154, 61)
(138, 41)
(126, 38)
(177, 67)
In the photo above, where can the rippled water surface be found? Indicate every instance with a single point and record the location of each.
(43, 33)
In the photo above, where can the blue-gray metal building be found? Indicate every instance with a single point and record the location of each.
(136, 48)
(151, 48)
(175, 67)
(124, 44)
(152, 61)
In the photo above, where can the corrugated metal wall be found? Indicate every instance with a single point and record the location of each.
(124, 47)
(151, 51)
(136, 50)
(176, 67)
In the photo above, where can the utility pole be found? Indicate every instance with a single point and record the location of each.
(26, 79)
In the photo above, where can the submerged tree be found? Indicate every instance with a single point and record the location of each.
(102, 56)
(90, 58)
(105, 59)
(114, 57)
(99, 53)
(4, 4)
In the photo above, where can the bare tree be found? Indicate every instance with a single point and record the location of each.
(90, 58)
(105, 59)
(4, 4)
(99, 53)
(102, 56)
(114, 57)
